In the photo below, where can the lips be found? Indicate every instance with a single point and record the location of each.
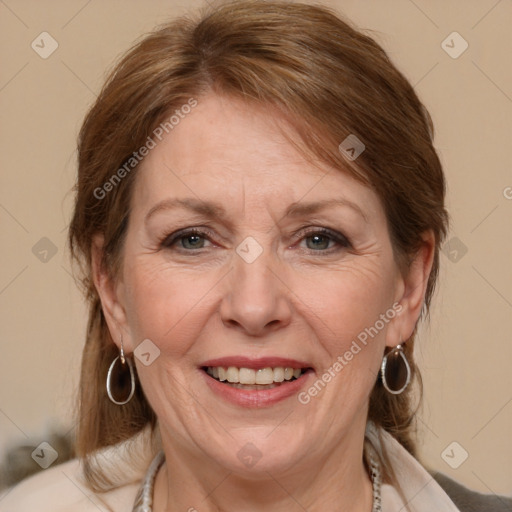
(255, 382)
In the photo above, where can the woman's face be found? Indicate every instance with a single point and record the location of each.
(239, 253)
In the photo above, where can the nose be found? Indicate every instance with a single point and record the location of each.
(257, 300)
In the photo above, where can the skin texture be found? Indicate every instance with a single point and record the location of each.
(303, 297)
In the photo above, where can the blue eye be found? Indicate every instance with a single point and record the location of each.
(195, 241)
(189, 240)
(323, 238)
(319, 241)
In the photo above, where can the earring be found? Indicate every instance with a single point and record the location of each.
(395, 371)
(120, 377)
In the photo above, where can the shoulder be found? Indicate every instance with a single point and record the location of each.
(472, 501)
(62, 489)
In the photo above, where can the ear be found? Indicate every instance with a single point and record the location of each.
(110, 292)
(411, 292)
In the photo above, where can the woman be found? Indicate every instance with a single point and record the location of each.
(259, 214)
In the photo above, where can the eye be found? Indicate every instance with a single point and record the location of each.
(187, 239)
(322, 240)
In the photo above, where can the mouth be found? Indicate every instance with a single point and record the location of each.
(255, 378)
(255, 383)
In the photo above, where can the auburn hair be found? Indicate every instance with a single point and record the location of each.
(330, 80)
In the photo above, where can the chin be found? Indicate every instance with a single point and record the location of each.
(266, 452)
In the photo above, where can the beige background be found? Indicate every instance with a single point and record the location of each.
(466, 352)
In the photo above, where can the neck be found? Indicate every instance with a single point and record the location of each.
(337, 483)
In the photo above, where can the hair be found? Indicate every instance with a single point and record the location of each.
(330, 80)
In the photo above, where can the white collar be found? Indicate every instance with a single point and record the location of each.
(422, 493)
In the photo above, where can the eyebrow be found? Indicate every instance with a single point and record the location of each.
(217, 211)
(206, 208)
(300, 208)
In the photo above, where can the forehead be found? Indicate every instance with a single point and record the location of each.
(236, 152)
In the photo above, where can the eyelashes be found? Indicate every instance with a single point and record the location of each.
(194, 239)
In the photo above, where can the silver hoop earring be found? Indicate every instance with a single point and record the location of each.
(395, 371)
(111, 373)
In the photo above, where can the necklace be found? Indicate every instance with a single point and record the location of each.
(144, 499)
(375, 475)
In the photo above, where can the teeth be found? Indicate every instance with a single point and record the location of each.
(279, 374)
(288, 373)
(222, 374)
(233, 375)
(265, 376)
(248, 376)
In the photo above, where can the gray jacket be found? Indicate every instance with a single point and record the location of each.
(472, 501)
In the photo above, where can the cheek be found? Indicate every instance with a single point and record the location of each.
(350, 319)
(350, 301)
(166, 304)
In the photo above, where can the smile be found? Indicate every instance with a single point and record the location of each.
(249, 378)
(255, 383)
